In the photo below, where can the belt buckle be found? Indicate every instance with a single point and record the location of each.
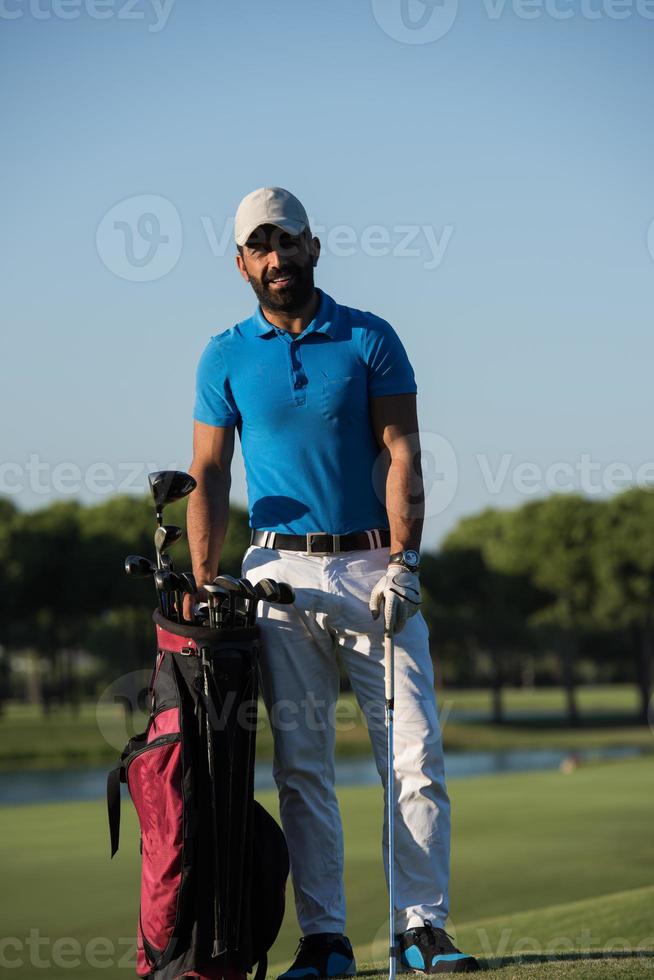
(336, 543)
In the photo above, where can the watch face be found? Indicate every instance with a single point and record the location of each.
(411, 557)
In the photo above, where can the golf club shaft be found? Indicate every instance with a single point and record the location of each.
(218, 940)
(389, 695)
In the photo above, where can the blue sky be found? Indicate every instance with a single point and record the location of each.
(511, 158)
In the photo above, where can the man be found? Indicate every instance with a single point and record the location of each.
(324, 401)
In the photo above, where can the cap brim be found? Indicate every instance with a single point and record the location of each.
(284, 224)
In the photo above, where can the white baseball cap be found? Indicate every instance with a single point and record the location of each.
(269, 206)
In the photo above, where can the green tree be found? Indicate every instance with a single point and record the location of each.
(625, 571)
(487, 603)
(551, 542)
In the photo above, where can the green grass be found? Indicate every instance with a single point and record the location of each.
(540, 861)
(592, 698)
(97, 734)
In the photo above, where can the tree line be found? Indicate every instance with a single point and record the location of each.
(556, 591)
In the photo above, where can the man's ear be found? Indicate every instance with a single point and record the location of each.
(315, 251)
(240, 264)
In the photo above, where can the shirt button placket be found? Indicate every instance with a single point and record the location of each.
(297, 374)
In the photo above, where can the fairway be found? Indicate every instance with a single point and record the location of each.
(541, 862)
(96, 734)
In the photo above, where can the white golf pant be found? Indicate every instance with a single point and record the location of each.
(300, 687)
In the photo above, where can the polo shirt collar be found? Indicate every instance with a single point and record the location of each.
(325, 320)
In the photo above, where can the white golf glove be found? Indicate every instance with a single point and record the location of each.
(399, 592)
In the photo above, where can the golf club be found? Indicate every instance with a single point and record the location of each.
(138, 566)
(201, 614)
(286, 594)
(164, 537)
(164, 584)
(179, 586)
(251, 598)
(232, 586)
(389, 694)
(217, 596)
(168, 486)
(267, 589)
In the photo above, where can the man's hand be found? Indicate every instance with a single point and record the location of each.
(191, 599)
(399, 592)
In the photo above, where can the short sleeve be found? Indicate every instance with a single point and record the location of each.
(214, 402)
(389, 368)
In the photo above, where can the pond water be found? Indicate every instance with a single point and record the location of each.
(67, 785)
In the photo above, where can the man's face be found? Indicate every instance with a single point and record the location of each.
(279, 267)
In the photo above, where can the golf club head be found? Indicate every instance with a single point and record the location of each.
(286, 594)
(190, 584)
(169, 485)
(217, 597)
(138, 566)
(228, 583)
(267, 589)
(247, 589)
(163, 579)
(217, 593)
(176, 582)
(165, 561)
(200, 610)
(166, 535)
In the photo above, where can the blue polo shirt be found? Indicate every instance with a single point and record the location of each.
(301, 407)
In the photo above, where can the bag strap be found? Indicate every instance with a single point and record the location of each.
(115, 777)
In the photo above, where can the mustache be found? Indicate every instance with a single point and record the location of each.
(287, 270)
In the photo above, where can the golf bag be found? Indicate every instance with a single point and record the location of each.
(214, 863)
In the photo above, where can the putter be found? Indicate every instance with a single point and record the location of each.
(389, 695)
(167, 486)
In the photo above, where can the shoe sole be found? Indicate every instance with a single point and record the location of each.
(350, 972)
(461, 966)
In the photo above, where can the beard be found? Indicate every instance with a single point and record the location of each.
(294, 297)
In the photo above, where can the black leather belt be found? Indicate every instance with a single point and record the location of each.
(319, 543)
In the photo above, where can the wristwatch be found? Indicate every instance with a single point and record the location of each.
(409, 559)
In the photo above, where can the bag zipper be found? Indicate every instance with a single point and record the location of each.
(167, 739)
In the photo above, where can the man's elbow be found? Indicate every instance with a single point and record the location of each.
(211, 476)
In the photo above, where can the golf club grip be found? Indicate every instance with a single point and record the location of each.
(389, 667)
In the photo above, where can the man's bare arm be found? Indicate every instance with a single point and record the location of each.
(208, 506)
(395, 423)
